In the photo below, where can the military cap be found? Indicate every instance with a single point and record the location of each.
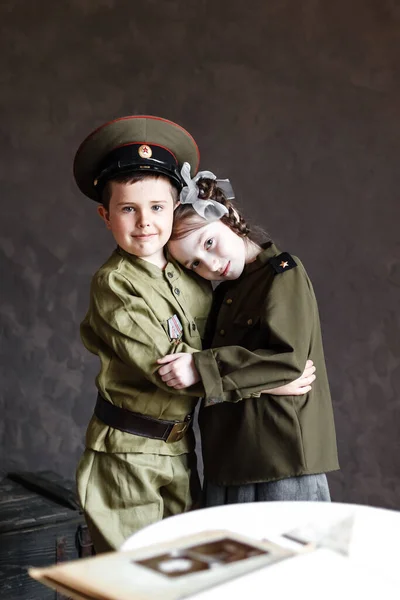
(131, 144)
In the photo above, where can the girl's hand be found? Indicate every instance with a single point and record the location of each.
(299, 386)
(179, 370)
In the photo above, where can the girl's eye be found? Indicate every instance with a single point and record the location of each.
(195, 264)
(156, 207)
(209, 243)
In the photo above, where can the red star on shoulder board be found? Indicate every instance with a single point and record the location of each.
(284, 264)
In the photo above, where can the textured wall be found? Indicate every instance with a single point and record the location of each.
(298, 102)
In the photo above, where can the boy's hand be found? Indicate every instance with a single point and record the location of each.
(299, 386)
(179, 370)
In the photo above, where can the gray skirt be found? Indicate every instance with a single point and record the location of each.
(303, 488)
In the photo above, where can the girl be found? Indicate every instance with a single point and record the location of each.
(263, 326)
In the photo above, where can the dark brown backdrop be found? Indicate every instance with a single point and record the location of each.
(297, 102)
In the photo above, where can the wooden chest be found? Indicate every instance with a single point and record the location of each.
(40, 524)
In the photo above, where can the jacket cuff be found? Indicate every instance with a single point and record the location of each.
(207, 367)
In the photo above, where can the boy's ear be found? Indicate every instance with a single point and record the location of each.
(177, 204)
(103, 213)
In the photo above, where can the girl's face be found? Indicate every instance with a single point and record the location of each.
(214, 251)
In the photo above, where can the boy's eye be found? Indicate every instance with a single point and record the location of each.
(209, 242)
(127, 209)
(156, 207)
(195, 264)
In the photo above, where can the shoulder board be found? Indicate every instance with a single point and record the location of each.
(282, 262)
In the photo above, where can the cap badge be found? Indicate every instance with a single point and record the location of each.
(145, 151)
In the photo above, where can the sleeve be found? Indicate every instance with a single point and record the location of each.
(232, 372)
(124, 322)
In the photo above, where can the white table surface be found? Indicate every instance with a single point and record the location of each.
(371, 570)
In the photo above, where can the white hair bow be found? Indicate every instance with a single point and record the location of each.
(211, 210)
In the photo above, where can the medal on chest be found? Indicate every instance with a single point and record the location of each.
(174, 328)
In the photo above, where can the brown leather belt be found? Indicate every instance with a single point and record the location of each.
(137, 424)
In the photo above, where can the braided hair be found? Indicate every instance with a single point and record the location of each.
(187, 220)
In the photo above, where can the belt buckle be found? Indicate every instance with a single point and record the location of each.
(178, 431)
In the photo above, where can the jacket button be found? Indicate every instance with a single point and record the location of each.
(194, 326)
(250, 322)
(177, 291)
(222, 332)
(229, 301)
(170, 274)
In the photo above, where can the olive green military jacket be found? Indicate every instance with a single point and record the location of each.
(265, 326)
(127, 327)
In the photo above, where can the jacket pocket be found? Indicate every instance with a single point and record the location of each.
(245, 330)
(200, 325)
(246, 321)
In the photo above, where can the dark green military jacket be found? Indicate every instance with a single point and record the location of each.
(126, 325)
(266, 325)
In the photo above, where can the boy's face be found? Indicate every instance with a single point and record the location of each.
(140, 217)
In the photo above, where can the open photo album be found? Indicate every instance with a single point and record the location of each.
(172, 570)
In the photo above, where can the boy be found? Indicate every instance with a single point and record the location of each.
(139, 463)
